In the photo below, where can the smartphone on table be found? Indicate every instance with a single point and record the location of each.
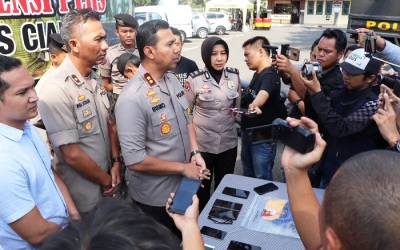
(213, 232)
(237, 245)
(184, 194)
(266, 188)
(236, 192)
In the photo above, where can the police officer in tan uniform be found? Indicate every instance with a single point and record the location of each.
(157, 141)
(58, 51)
(212, 93)
(76, 112)
(125, 28)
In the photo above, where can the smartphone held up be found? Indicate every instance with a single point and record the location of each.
(184, 194)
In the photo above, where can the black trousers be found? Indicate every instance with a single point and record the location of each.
(219, 165)
(161, 216)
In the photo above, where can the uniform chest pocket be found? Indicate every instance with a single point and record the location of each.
(232, 94)
(85, 110)
(206, 100)
(87, 118)
(164, 125)
(206, 97)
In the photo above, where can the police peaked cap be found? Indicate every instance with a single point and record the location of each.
(126, 20)
(56, 40)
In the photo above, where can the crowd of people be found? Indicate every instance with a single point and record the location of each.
(150, 117)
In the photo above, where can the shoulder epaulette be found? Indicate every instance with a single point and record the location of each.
(232, 70)
(197, 73)
(113, 46)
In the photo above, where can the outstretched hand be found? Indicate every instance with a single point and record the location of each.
(312, 84)
(188, 219)
(386, 116)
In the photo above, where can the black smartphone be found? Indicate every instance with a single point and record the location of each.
(228, 204)
(213, 232)
(236, 192)
(237, 245)
(224, 213)
(183, 195)
(289, 52)
(294, 54)
(244, 111)
(266, 188)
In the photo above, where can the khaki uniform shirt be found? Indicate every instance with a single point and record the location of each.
(109, 69)
(152, 120)
(39, 86)
(210, 102)
(73, 112)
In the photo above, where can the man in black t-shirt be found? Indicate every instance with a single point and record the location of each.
(330, 50)
(185, 66)
(264, 89)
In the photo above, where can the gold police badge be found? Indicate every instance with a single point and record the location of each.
(88, 126)
(231, 85)
(165, 128)
(81, 98)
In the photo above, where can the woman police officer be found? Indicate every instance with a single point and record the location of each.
(211, 94)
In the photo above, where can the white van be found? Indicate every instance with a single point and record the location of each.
(178, 16)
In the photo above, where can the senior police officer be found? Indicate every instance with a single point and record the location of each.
(154, 129)
(211, 94)
(75, 110)
(125, 28)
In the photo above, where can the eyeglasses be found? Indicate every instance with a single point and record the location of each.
(217, 220)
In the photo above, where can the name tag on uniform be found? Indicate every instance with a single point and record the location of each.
(85, 110)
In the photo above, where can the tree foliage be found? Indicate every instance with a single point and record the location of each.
(145, 2)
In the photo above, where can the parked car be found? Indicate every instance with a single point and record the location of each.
(219, 22)
(200, 24)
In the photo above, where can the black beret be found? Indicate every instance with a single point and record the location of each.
(56, 40)
(126, 20)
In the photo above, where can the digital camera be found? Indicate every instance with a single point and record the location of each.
(286, 50)
(308, 67)
(298, 138)
(391, 82)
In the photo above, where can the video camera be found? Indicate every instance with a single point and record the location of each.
(286, 50)
(308, 67)
(298, 138)
(391, 82)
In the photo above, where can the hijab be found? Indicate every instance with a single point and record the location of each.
(206, 52)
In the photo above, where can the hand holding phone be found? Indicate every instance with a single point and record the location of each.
(183, 196)
(241, 111)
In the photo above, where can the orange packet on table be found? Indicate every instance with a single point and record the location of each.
(273, 209)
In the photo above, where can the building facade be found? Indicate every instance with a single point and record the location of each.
(310, 12)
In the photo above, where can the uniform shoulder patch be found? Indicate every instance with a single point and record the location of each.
(232, 70)
(197, 73)
(113, 46)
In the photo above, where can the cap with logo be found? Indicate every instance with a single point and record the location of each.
(359, 63)
(56, 40)
(126, 20)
